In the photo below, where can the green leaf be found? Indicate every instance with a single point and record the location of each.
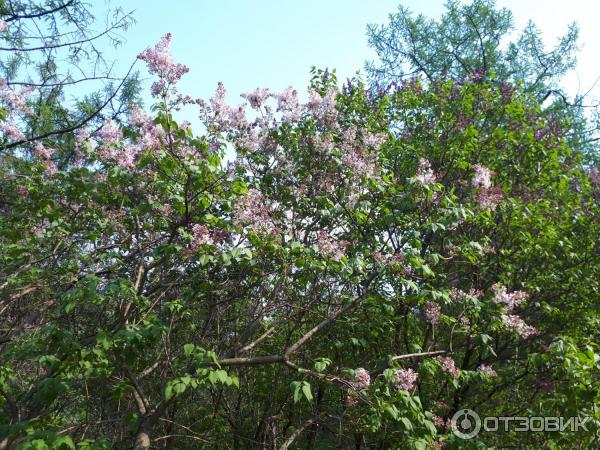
(63, 443)
(306, 391)
(295, 386)
(406, 423)
(188, 349)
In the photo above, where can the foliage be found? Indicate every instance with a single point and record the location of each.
(477, 39)
(50, 53)
(365, 266)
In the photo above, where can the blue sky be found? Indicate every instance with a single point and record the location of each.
(273, 43)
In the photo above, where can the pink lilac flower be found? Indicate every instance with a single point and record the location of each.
(287, 103)
(237, 117)
(438, 445)
(250, 141)
(15, 100)
(374, 140)
(218, 235)
(151, 138)
(509, 300)
(487, 195)
(43, 152)
(506, 90)
(110, 133)
(362, 379)
(482, 178)
(325, 183)
(323, 144)
(490, 198)
(379, 258)
(439, 421)
(484, 368)
(220, 108)
(252, 210)
(356, 157)
(257, 97)
(405, 379)
(127, 157)
(45, 155)
(314, 100)
(361, 163)
(458, 295)
(3, 25)
(323, 107)
(595, 175)
(137, 117)
(425, 174)
(82, 135)
(432, 312)
(11, 131)
(159, 60)
(385, 259)
(331, 247)
(51, 169)
(200, 236)
(516, 324)
(37, 229)
(448, 365)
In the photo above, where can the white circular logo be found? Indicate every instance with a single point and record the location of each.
(465, 423)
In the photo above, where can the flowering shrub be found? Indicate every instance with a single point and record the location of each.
(151, 281)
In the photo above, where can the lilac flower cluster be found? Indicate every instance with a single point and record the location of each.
(110, 133)
(111, 146)
(323, 107)
(160, 62)
(442, 405)
(405, 379)
(200, 236)
(448, 365)
(458, 295)
(45, 155)
(437, 445)
(252, 211)
(257, 97)
(288, 104)
(517, 324)
(482, 178)
(362, 379)
(385, 259)
(15, 100)
(488, 196)
(432, 312)
(509, 300)
(439, 421)
(506, 89)
(15, 103)
(11, 131)
(484, 368)
(331, 247)
(425, 175)
(595, 176)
